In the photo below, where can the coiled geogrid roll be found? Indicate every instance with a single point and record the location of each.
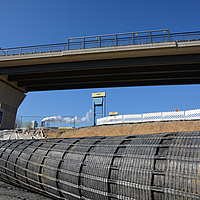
(158, 166)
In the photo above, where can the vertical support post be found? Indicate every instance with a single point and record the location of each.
(104, 107)
(83, 43)
(20, 51)
(68, 44)
(116, 40)
(20, 123)
(99, 41)
(64, 46)
(49, 48)
(150, 37)
(133, 38)
(93, 111)
(168, 35)
(6, 52)
(1, 116)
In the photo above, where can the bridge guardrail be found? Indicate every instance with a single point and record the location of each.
(121, 39)
(151, 117)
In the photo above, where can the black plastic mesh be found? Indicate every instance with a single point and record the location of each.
(158, 166)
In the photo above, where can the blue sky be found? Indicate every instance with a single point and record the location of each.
(26, 22)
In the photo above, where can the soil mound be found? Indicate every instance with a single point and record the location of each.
(125, 129)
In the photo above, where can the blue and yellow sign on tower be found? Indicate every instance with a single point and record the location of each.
(98, 107)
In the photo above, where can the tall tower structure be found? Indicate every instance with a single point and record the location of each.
(98, 105)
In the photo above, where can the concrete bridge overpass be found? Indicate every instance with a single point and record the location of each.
(130, 59)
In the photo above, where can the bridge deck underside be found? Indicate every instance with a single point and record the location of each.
(146, 71)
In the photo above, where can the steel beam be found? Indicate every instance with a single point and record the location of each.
(99, 64)
(127, 83)
(113, 77)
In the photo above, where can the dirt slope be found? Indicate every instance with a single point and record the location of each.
(126, 129)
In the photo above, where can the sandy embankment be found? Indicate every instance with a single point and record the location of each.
(126, 129)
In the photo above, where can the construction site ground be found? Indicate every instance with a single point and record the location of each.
(125, 129)
(10, 192)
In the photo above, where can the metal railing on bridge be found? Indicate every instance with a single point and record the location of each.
(111, 40)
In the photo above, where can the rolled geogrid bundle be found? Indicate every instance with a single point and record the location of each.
(157, 166)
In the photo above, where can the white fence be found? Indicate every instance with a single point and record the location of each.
(151, 117)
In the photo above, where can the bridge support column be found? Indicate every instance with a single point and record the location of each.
(10, 100)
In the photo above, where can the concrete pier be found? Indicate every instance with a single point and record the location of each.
(10, 100)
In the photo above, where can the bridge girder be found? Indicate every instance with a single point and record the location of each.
(143, 71)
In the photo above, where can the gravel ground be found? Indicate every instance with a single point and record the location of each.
(9, 192)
